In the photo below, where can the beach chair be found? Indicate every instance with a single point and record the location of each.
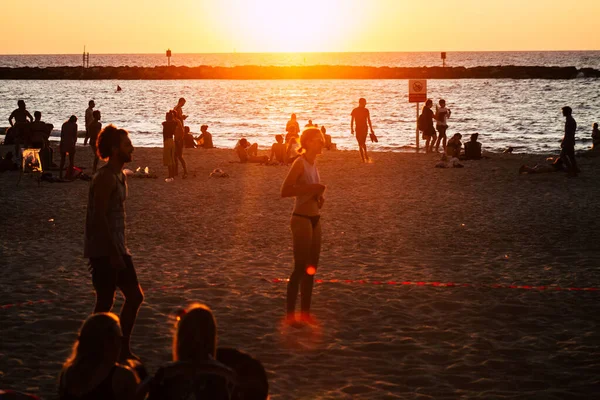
(31, 163)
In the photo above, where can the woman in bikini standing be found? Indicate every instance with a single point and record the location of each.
(302, 182)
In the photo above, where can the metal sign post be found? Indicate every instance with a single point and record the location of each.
(169, 57)
(417, 92)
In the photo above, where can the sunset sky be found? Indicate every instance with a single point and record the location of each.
(216, 26)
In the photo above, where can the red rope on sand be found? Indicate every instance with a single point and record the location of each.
(452, 285)
(361, 282)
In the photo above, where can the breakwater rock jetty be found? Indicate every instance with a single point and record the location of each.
(297, 72)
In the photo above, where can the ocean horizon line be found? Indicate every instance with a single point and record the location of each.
(311, 52)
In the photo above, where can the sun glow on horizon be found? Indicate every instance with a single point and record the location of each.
(290, 27)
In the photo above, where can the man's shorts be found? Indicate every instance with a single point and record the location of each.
(169, 153)
(105, 277)
(361, 136)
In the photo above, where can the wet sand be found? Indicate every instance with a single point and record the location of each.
(222, 241)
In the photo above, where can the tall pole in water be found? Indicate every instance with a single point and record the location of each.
(169, 57)
(84, 56)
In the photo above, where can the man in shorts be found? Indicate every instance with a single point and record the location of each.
(361, 117)
(104, 242)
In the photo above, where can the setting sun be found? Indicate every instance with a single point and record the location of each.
(282, 26)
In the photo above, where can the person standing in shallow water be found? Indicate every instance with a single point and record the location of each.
(303, 183)
(567, 152)
(104, 242)
(360, 116)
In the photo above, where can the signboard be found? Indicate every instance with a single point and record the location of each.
(417, 90)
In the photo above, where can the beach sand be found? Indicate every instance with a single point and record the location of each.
(222, 241)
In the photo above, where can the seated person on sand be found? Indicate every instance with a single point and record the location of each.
(7, 163)
(188, 139)
(473, 148)
(249, 153)
(278, 150)
(328, 144)
(556, 166)
(205, 139)
(453, 146)
(194, 372)
(92, 371)
(595, 137)
(291, 149)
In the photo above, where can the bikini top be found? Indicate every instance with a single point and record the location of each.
(310, 175)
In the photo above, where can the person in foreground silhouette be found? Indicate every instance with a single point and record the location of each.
(303, 183)
(567, 152)
(195, 373)
(91, 372)
(362, 119)
(105, 244)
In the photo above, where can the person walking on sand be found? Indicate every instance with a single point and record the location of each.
(89, 118)
(567, 152)
(68, 142)
(361, 117)
(105, 244)
(426, 126)
(303, 183)
(441, 116)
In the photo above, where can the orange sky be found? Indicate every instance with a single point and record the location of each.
(214, 26)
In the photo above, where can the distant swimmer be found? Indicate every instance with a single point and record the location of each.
(119, 88)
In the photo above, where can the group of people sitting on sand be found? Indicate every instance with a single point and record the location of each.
(282, 152)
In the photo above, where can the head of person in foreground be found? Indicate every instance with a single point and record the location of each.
(114, 144)
(195, 337)
(311, 141)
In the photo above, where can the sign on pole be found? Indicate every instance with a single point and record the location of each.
(417, 90)
(417, 93)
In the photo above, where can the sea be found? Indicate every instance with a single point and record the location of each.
(523, 114)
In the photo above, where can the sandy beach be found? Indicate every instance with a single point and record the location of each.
(224, 241)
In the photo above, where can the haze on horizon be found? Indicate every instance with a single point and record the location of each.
(262, 26)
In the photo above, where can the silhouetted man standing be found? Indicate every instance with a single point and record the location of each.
(567, 153)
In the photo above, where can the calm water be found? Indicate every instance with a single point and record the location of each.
(578, 59)
(521, 113)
